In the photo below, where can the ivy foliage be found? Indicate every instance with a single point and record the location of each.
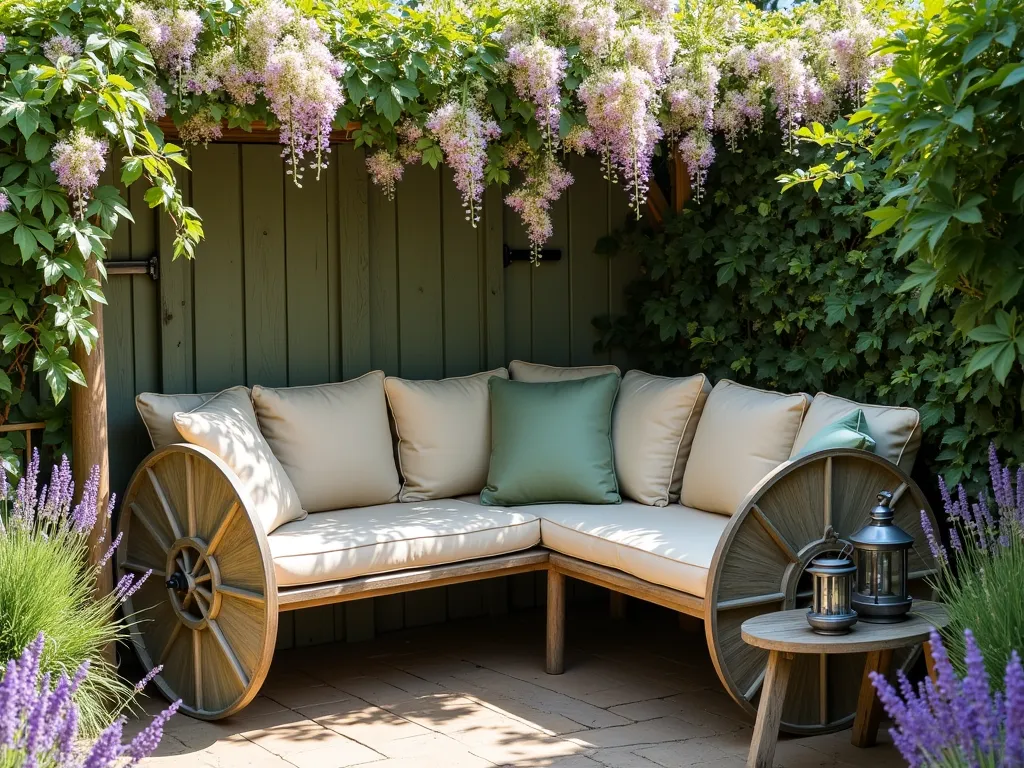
(947, 117)
(786, 290)
(49, 237)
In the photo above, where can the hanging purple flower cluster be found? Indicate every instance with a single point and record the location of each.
(61, 46)
(5, 202)
(39, 721)
(301, 84)
(957, 721)
(537, 70)
(170, 33)
(78, 162)
(385, 170)
(464, 135)
(545, 182)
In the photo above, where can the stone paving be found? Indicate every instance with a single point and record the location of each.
(473, 694)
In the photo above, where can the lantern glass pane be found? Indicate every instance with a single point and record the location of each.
(817, 594)
(899, 570)
(865, 569)
(883, 577)
(842, 596)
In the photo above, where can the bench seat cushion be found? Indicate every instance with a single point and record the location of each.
(672, 546)
(346, 544)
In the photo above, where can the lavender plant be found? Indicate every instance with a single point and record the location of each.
(981, 573)
(39, 722)
(956, 721)
(48, 586)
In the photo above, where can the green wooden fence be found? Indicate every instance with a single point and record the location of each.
(302, 286)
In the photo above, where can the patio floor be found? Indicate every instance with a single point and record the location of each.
(639, 693)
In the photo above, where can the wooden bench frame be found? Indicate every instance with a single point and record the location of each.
(187, 519)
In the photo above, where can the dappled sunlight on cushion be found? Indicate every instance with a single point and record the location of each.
(329, 546)
(226, 425)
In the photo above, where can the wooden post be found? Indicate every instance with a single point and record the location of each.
(556, 624)
(869, 707)
(89, 433)
(769, 713)
(681, 190)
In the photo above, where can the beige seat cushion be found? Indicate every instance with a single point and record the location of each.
(535, 372)
(157, 412)
(652, 429)
(743, 434)
(672, 546)
(896, 431)
(329, 546)
(444, 434)
(226, 425)
(333, 440)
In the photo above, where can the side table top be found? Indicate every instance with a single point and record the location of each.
(789, 631)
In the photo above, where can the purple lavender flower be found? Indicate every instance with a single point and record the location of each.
(957, 720)
(39, 723)
(938, 551)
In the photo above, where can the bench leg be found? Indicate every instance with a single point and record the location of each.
(556, 624)
(769, 713)
(617, 605)
(869, 708)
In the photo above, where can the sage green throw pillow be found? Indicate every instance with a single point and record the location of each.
(552, 442)
(851, 431)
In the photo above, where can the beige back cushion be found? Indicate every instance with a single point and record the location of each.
(227, 426)
(896, 431)
(444, 434)
(743, 434)
(157, 412)
(535, 372)
(652, 430)
(333, 440)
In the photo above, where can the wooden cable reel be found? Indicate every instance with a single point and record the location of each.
(208, 613)
(759, 565)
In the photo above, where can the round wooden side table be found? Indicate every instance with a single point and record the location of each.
(787, 633)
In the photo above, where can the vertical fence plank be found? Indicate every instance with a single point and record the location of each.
(356, 355)
(307, 283)
(219, 308)
(588, 271)
(552, 297)
(145, 297)
(494, 283)
(266, 331)
(461, 258)
(420, 320)
(176, 334)
(389, 612)
(383, 231)
(623, 268)
(334, 246)
(518, 293)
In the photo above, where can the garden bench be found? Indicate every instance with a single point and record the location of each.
(209, 614)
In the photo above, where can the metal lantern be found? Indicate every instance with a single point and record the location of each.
(831, 612)
(881, 550)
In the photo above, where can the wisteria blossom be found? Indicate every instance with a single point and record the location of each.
(651, 51)
(170, 33)
(78, 162)
(792, 83)
(698, 153)
(739, 113)
(39, 720)
(60, 46)
(301, 85)
(537, 70)
(853, 54)
(385, 171)
(619, 107)
(200, 128)
(464, 135)
(956, 721)
(409, 135)
(593, 23)
(3, 42)
(545, 182)
(5, 202)
(263, 28)
(223, 70)
(157, 100)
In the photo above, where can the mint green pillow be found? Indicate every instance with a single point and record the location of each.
(552, 442)
(851, 431)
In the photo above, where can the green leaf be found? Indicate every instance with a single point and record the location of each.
(36, 147)
(964, 118)
(978, 46)
(1016, 76)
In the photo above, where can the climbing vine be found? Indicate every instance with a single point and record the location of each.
(498, 90)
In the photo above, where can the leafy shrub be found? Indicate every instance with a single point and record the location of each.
(954, 722)
(981, 575)
(47, 586)
(948, 117)
(40, 723)
(784, 289)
